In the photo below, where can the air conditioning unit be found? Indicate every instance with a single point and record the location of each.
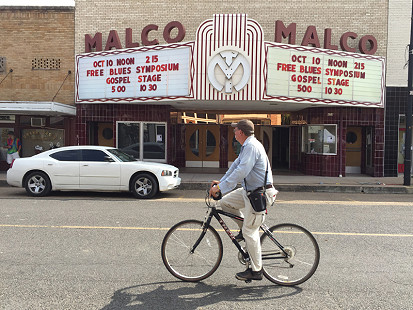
(38, 122)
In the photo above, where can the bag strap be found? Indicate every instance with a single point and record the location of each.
(266, 174)
(265, 178)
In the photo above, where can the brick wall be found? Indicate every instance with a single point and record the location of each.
(361, 17)
(39, 38)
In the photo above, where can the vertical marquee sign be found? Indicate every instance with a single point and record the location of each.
(133, 74)
(297, 73)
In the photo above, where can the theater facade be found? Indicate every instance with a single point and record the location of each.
(317, 100)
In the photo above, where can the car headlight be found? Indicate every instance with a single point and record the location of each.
(166, 173)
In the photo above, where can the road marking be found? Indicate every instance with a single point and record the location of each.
(362, 234)
(165, 229)
(348, 203)
(83, 227)
(311, 202)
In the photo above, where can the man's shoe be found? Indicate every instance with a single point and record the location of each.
(239, 237)
(249, 275)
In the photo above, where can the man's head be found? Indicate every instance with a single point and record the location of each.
(10, 134)
(245, 125)
(243, 129)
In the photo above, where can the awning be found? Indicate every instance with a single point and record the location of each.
(37, 108)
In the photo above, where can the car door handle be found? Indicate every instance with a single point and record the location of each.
(50, 164)
(85, 165)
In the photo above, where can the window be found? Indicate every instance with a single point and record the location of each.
(35, 140)
(153, 135)
(71, 155)
(154, 141)
(123, 157)
(320, 139)
(3, 141)
(94, 155)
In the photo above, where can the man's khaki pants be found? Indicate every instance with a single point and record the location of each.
(233, 202)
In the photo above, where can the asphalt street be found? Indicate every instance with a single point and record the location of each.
(102, 251)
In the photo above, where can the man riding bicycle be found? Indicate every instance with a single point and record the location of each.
(252, 169)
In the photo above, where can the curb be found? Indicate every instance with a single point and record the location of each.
(306, 188)
(319, 188)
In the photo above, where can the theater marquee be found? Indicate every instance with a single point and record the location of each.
(133, 74)
(302, 73)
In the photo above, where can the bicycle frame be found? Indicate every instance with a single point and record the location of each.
(214, 212)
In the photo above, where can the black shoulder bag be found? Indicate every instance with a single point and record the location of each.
(257, 196)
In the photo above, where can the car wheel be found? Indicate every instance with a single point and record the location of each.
(144, 186)
(38, 184)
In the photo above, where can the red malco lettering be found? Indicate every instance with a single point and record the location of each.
(367, 44)
(113, 40)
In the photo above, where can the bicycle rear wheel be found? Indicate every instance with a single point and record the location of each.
(301, 261)
(178, 257)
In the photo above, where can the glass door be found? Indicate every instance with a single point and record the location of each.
(202, 145)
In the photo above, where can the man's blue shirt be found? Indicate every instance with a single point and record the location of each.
(250, 165)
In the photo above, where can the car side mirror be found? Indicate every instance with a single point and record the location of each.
(108, 159)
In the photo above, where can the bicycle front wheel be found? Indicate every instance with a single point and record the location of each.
(185, 263)
(299, 260)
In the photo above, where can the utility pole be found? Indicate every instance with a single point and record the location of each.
(408, 136)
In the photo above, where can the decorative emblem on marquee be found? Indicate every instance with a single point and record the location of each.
(228, 61)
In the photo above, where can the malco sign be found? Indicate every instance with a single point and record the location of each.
(367, 44)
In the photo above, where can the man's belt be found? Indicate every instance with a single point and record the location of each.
(268, 186)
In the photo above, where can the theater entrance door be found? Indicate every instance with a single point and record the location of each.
(202, 145)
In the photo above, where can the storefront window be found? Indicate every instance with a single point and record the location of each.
(35, 141)
(153, 135)
(3, 142)
(320, 139)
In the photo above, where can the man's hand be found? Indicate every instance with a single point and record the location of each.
(214, 190)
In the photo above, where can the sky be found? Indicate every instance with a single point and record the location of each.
(37, 3)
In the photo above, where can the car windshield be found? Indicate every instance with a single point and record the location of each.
(122, 156)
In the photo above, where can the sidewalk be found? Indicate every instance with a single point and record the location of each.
(288, 181)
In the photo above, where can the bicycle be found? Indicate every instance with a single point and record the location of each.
(192, 250)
